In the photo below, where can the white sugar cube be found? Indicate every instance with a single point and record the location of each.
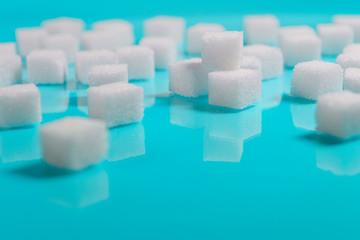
(334, 38)
(7, 48)
(349, 60)
(140, 61)
(261, 29)
(352, 79)
(352, 48)
(65, 42)
(116, 103)
(251, 62)
(188, 78)
(84, 60)
(165, 26)
(315, 78)
(352, 21)
(29, 39)
(46, 66)
(272, 62)
(10, 69)
(194, 34)
(103, 74)
(338, 114)
(64, 25)
(74, 143)
(20, 106)
(300, 48)
(164, 48)
(123, 29)
(296, 30)
(234, 89)
(222, 50)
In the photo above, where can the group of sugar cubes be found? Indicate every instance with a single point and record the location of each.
(228, 72)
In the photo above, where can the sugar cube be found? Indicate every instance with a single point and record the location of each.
(116, 103)
(46, 66)
(20, 106)
(296, 30)
(272, 62)
(338, 114)
(300, 48)
(352, 48)
(74, 143)
(100, 39)
(261, 29)
(348, 60)
(195, 33)
(124, 31)
(7, 48)
(165, 26)
(65, 42)
(188, 78)
(251, 62)
(164, 48)
(10, 69)
(84, 60)
(140, 61)
(222, 50)
(234, 89)
(352, 79)
(103, 74)
(352, 21)
(315, 78)
(64, 25)
(29, 39)
(334, 38)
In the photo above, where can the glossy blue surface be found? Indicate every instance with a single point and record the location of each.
(188, 171)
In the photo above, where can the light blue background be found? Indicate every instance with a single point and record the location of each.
(282, 181)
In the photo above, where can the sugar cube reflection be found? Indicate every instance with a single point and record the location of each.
(303, 115)
(271, 94)
(341, 159)
(126, 142)
(54, 98)
(222, 149)
(27, 145)
(79, 190)
(149, 91)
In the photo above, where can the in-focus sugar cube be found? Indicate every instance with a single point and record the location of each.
(123, 30)
(272, 61)
(7, 48)
(116, 103)
(352, 48)
(65, 42)
(164, 48)
(234, 89)
(140, 61)
(261, 29)
(222, 50)
(194, 34)
(29, 39)
(348, 60)
(188, 78)
(74, 143)
(84, 60)
(315, 78)
(103, 74)
(352, 79)
(64, 25)
(338, 114)
(10, 69)
(20, 106)
(334, 38)
(251, 62)
(352, 21)
(165, 26)
(300, 48)
(46, 66)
